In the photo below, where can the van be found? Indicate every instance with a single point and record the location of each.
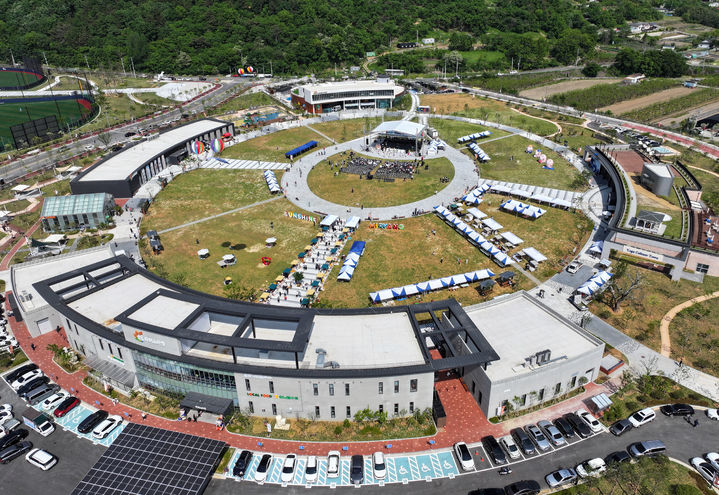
(41, 393)
(647, 448)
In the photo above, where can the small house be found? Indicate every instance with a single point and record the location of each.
(634, 78)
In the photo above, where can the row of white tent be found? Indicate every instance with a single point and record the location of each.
(348, 267)
(529, 211)
(475, 238)
(272, 181)
(430, 285)
(595, 283)
(502, 189)
(474, 197)
(472, 137)
(481, 155)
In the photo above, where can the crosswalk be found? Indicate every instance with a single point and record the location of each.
(229, 163)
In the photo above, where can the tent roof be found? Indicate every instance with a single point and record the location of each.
(402, 128)
(353, 222)
(511, 238)
(476, 213)
(534, 254)
(328, 220)
(492, 224)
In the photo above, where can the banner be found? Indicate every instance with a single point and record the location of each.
(387, 226)
(300, 216)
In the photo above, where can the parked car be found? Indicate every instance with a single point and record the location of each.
(13, 437)
(579, 425)
(9, 453)
(642, 417)
(288, 468)
(536, 434)
(713, 414)
(130, 133)
(591, 421)
(464, 456)
(15, 374)
(5, 416)
(524, 487)
(357, 470)
(54, 400)
(25, 378)
(488, 491)
(552, 433)
(564, 427)
(677, 410)
(617, 457)
(706, 470)
(379, 468)
(621, 427)
(591, 468)
(311, 469)
(90, 422)
(242, 463)
(713, 459)
(648, 448)
(41, 458)
(523, 441)
(103, 429)
(560, 477)
(573, 267)
(6, 407)
(494, 450)
(333, 464)
(263, 467)
(510, 446)
(32, 384)
(66, 406)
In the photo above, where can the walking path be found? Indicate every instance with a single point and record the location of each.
(559, 127)
(5, 264)
(231, 163)
(703, 170)
(323, 135)
(667, 320)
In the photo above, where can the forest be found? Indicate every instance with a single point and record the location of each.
(296, 36)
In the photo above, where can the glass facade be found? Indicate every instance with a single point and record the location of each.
(162, 374)
(318, 97)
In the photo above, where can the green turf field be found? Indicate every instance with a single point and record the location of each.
(12, 78)
(16, 113)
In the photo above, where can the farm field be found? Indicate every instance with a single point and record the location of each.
(627, 106)
(542, 92)
(604, 95)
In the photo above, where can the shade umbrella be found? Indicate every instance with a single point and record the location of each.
(273, 286)
(325, 266)
(315, 283)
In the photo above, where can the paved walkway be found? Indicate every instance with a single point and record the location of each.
(323, 135)
(5, 263)
(667, 320)
(703, 170)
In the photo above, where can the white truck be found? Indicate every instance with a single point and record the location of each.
(40, 422)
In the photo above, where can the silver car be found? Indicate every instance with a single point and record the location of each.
(538, 437)
(552, 433)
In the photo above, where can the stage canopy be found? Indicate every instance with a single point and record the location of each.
(400, 129)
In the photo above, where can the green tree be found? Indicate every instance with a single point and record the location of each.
(591, 69)
(460, 41)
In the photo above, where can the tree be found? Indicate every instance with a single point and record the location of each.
(104, 138)
(460, 41)
(591, 69)
(235, 291)
(619, 290)
(298, 276)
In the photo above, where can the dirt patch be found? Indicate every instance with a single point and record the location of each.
(542, 92)
(712, 107)
(644, 101)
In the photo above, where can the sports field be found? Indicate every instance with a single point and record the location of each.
(10, 78)
(16, 113)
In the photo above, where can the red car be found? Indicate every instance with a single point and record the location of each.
(66, 406)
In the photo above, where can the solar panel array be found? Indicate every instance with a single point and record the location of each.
(151, 461)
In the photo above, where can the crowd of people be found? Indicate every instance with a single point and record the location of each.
(350, 163)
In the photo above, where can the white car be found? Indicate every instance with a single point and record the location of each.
(573, 267)
(379, 469)
(311, 469)
(333, 464)
(510, 446)
(88, 147)
(593, 467)
(288, 468)
(713, 459)
(54, 400)
(713, 414)
(464, 456)
(263, 467)
(591, 421)
(41, 458)
(642, 417)
(5, 416)
(706, 470)
(6, 407)
(30, 375)
(103, 429)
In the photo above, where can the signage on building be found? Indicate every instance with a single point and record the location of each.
(386, 226)
(643, 253)
(271, 396)
(300, 216)
(117, 359)
(143, 339)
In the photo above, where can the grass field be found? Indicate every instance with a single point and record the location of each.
(525, 169)
(244, 102)
(677, 105)
(12, 78)
(349, 189)
(272, 147)
(486, 56)
(347, 130)
(202, 193)
(246, 232)
(576, 137)
(695, 337)
(16, 113)
(451, 130)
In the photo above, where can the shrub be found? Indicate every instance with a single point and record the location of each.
(677, 394)
(685, 490)
(346, 423)
(632, 405)
(338, 430)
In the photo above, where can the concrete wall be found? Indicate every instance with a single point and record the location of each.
(89, 344)
(696, 257)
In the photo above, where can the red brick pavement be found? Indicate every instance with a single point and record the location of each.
(20, 243)
(465, 421)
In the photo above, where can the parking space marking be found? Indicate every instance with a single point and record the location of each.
(250, 472)
(345, 472)
(391, 470)
(273, 473)
(321, 471)
(299, 477)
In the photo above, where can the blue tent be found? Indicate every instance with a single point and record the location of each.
(301, 149)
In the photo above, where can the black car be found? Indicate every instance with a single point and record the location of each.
(621, 427)
(88, 424)
(564, 427)
(14, 375)
(523, 441)
(524, 487)
(130, 134)
(117, 147)
(579, 426)
(243, 462)
(491, 446)
(35, 382)
(677, 410)
(15, 450)
(487, 491)
(617, 457)
(357, 470)
(13, 437)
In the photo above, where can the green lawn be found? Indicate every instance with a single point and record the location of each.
(486, 56)
(16, 113)
(347, 130)
(26, 220)
(576, 136)
(245, 101)
(349, 189)
(451, 130)
(13, 78)
(201, 193)
(18, 205)
(59, 188)
(695, 336)
(525, 169)
(272, 147)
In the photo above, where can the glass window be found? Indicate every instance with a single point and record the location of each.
(380, 388)
(381, 408)
(251, 407)
(347, 388)
(349, 412)
(247, 385)
(317, 411)
(315, 389)
(396, 408)
(332, 388)
(557, 388)
(101, 344)
(332, 411)
(272, 388)
(702, 268)
(573, 382)
(411, 407)
(413, 385)
(119, 353)
(274, 409)
(396, 386)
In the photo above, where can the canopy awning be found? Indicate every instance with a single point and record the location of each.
(476, 213)
(511, 238)
(353, 222)
(328, 221)
(111, 371)
(492, 224)
(535, 255)
(200, 402)
(602, 402)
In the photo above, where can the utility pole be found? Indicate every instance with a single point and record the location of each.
(270, 67)
(123, 66)
(12, 57)
(132, 62)
(87, 63)
(456, 68)
(45, 57)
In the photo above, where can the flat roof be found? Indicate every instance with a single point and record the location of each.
(660, 169)
(121, 165)
(400, 127)
(364, 341)
(165, 312)
(332, 87)
(518, 326)
(74, 204)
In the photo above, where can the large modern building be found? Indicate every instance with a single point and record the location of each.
(122, 173)
(346, 95)
(76, 211)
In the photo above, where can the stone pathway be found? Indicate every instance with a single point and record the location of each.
(667, 320)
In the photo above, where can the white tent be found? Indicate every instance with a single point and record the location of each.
(492, 224)
(435, 284)
(499, 188)
(534, 254)
(562, 202)
(410, 289)
(511, 238)
(476, 213)
(353, 222)
(344, 276)
(503, 259)
(423, 286)
(385, 295)
(328, 221)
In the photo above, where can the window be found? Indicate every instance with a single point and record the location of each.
(411, 407)
(251, 407)
(349, 412)
(272, 388)
(479, 397)
(332, 388)
(315, 389)
(573, 381)
(396, 408)
(702, 268)
(247, 385)
(101, 345)
(274, 409)
(557, 388)
(119, 353)
(82, 349)
(524, 399)
(413, 385)
(76, 331)
(347, 388)
(317, 411)
(540, 395)
(332, 411)
(381, 408)
(474, 387)
(396, 386)
(380, 388)
(109, 347)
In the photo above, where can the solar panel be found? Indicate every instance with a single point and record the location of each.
(151, 461)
